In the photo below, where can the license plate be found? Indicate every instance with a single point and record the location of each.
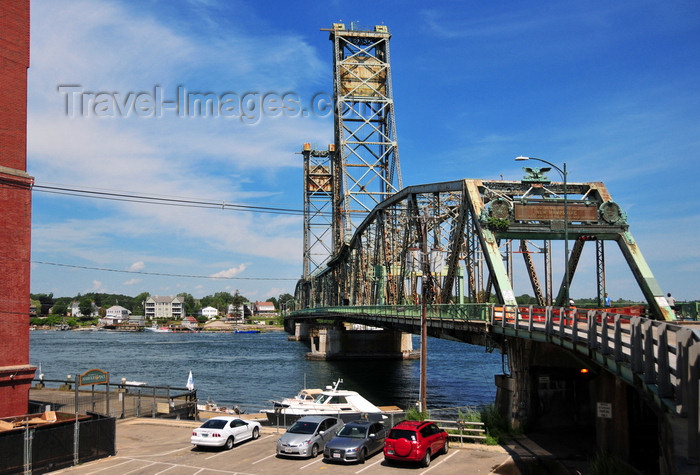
(336, 456)
(288, 450)
(205, 435)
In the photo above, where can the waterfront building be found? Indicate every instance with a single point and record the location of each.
(190, 322)
(264, 309)
(209, 312)
(75, 310)
(165, 307)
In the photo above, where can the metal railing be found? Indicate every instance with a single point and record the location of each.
(115, 400)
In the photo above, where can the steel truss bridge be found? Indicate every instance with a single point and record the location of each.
(441, 256)
(454, 242)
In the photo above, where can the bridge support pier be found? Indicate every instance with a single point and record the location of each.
(340, 343)
(301, 332)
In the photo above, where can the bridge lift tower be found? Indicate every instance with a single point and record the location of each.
(365, 129)
(361, 169)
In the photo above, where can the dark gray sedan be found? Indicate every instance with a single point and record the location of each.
(355, 442)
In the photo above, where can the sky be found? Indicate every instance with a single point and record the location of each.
(611, 89)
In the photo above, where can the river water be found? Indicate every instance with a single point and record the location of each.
(251, 369)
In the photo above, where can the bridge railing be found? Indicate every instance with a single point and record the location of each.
(661, 357)
(460, 312)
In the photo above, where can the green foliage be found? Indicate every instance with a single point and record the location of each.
(497, 224)
(497, 426)
(60, 308)
(413, 414)
(607, 464)
(471, 415)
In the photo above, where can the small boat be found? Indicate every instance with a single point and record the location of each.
(211, 409)
(155, 328)
(247, 331)
(347, 405)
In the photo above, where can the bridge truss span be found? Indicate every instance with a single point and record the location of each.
(454, 242)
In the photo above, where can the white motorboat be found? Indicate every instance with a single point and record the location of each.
(155, 328)
(347, 405)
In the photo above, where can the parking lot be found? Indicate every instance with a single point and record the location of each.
(152, 446)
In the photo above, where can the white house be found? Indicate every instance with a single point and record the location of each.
(75, 309)
(117, 312)
(209, 312)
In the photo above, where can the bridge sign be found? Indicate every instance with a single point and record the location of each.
(94, 376)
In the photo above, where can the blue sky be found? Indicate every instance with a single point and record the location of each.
(610, 88)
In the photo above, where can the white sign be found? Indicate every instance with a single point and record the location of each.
(604, 410)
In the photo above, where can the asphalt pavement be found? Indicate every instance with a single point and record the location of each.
(155, 446)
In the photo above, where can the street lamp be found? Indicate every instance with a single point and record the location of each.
(566, 221)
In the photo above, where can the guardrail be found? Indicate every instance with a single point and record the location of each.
(480, 312)
(115, 400)
(663, 357)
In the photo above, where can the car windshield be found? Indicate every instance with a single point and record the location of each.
(402, 434)
(300, 427)
(355, 432)
(214, 424)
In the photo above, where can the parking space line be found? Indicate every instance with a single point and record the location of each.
(217, 454)
(162, 454)
(312, 463)
(180, 465)
(138, 469)
(433, 465)
(370, 466)
(163, 471)
(273, 455)
(117, 465)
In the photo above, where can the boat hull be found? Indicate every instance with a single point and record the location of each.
(286, 418)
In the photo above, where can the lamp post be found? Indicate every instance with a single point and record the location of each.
(566, 221)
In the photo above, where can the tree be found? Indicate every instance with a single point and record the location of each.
(140, 304)
(46, 303)
(274, 302)
(85, 307)
(190, 304)
(60, 308)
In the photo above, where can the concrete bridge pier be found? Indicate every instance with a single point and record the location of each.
(299, 331)
(333, 342)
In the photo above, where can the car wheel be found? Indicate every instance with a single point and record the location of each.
(229, 443)
(445, 448)
(256, 433)
(314, 451)
(363, 455)
(426, 460)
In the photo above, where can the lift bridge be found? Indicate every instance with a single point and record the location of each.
(440, 258)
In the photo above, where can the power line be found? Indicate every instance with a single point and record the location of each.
(105, 269)
(134, 197)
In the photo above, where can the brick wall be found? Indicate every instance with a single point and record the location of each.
(15, 205)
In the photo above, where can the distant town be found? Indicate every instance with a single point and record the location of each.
(182, 311)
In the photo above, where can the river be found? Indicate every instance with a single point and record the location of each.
(251, 369)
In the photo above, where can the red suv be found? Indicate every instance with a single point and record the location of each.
(415, 441)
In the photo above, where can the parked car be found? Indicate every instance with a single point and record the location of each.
(308, 436)
(415, 441)
(224, 431)
(355, 442)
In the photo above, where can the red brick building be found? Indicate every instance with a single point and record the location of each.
(15, 210)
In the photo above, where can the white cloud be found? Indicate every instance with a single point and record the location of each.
(232, 272)
(137, 266)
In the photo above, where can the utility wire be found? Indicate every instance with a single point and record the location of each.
(170, 201)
